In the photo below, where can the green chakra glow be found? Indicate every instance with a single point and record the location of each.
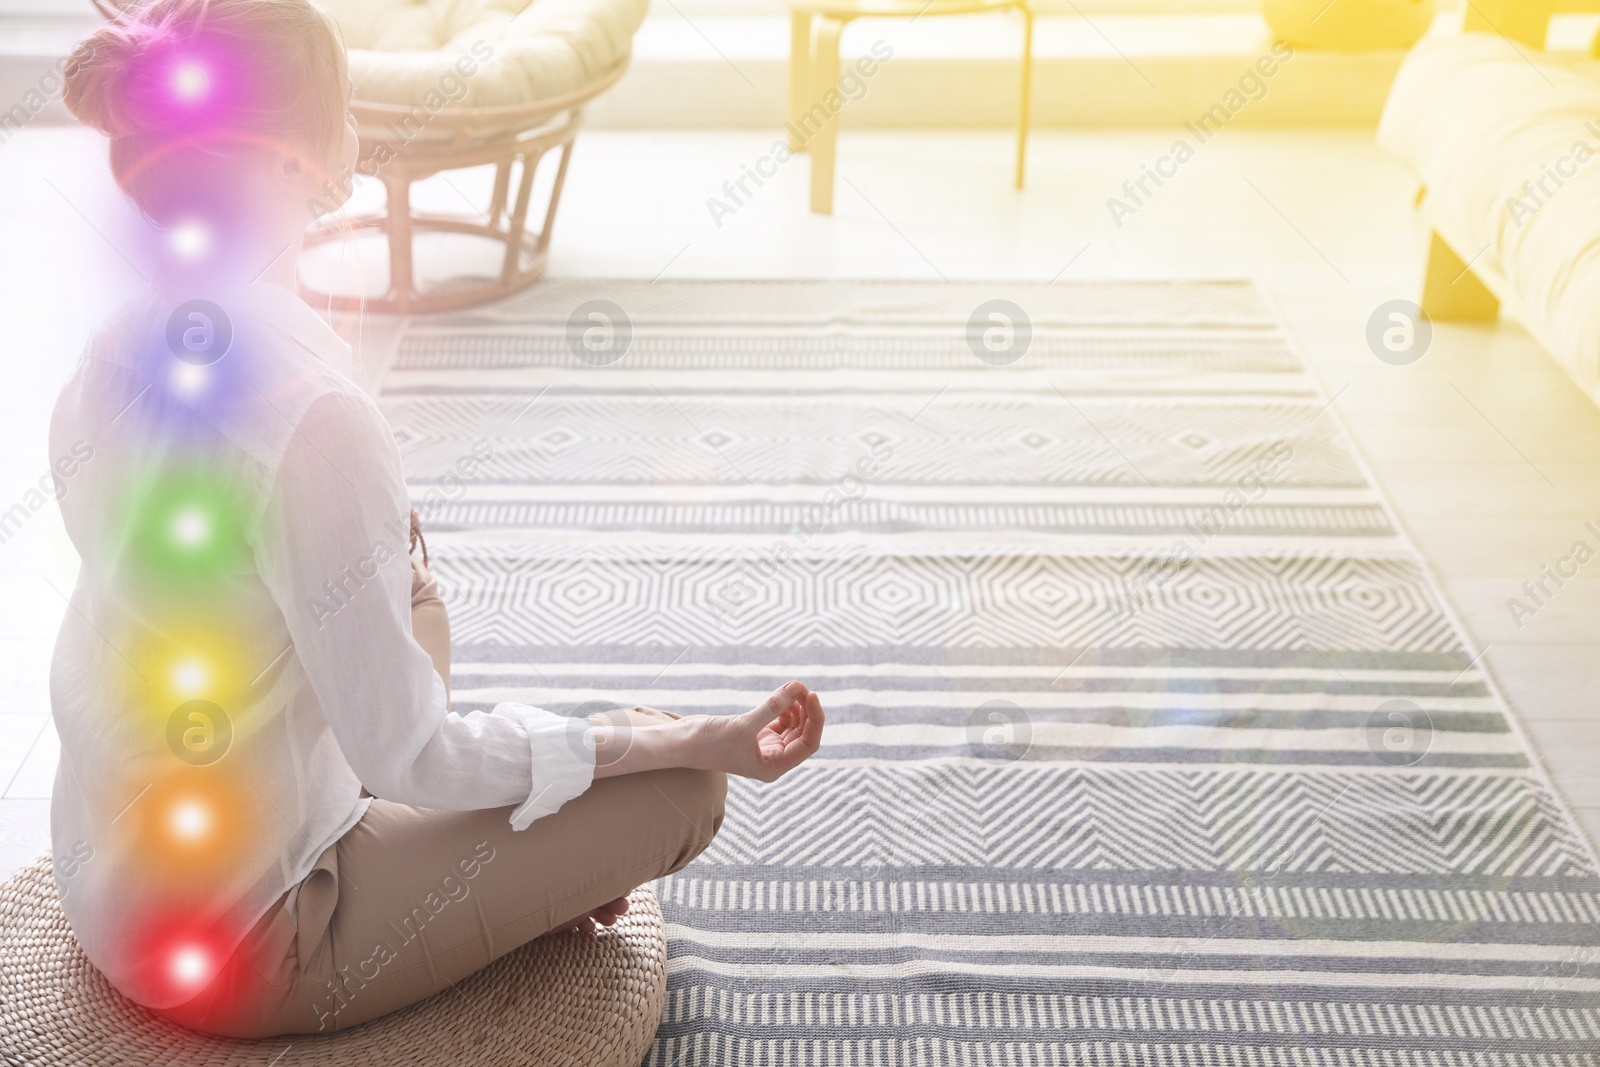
(186, 526)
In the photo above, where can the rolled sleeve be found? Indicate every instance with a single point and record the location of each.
(562, 751)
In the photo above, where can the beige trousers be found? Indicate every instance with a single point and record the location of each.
(411, 900)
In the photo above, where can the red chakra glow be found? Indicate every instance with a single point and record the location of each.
(189, 966)
(181, 954)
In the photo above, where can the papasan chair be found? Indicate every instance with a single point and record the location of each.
(447, 84)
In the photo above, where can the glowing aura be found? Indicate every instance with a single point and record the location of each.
(182, 529)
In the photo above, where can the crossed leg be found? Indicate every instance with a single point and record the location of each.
(412, 900)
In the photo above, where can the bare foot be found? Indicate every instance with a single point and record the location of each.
(604, 915)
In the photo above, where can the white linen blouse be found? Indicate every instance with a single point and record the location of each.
(237, 661)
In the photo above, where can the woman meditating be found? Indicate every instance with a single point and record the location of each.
(267, 820)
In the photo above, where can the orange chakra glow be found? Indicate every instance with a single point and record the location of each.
(193, 824)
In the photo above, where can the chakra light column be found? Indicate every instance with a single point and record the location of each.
(194, 823)
(184, 543)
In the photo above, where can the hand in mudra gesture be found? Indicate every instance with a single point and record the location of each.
(768, 741)
(764, 743)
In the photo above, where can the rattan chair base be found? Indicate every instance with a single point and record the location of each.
(514, 140)
(567, 1000)
(528, 253)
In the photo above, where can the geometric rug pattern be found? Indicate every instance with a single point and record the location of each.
(1150, 740)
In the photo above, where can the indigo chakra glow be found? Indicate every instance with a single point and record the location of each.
(199, 332)
(189, 241)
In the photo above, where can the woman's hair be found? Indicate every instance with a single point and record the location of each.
(184, 88)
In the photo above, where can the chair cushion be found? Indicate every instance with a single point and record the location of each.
(402, 50)
(1477, 117)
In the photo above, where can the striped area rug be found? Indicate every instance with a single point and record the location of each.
(1150, 740)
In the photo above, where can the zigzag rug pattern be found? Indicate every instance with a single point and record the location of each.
(1150, 741)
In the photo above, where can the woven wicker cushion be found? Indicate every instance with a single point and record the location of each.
(573, 1000)
(403, 50)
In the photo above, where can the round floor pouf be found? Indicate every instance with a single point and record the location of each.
(567, 1000)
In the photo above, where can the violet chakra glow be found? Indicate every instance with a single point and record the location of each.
(189, 91)
(191, 80)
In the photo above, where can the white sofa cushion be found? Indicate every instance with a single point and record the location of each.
(401, 50)
(1477, 117)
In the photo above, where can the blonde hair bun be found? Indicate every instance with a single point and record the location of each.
(96, 77)
(185, 89)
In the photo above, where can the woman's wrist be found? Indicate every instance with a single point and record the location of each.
(623, 748)
(764, 743)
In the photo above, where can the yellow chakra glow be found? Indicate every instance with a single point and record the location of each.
(198, 661)
(189, 677)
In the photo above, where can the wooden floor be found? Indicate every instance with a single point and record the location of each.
(1489, 453)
